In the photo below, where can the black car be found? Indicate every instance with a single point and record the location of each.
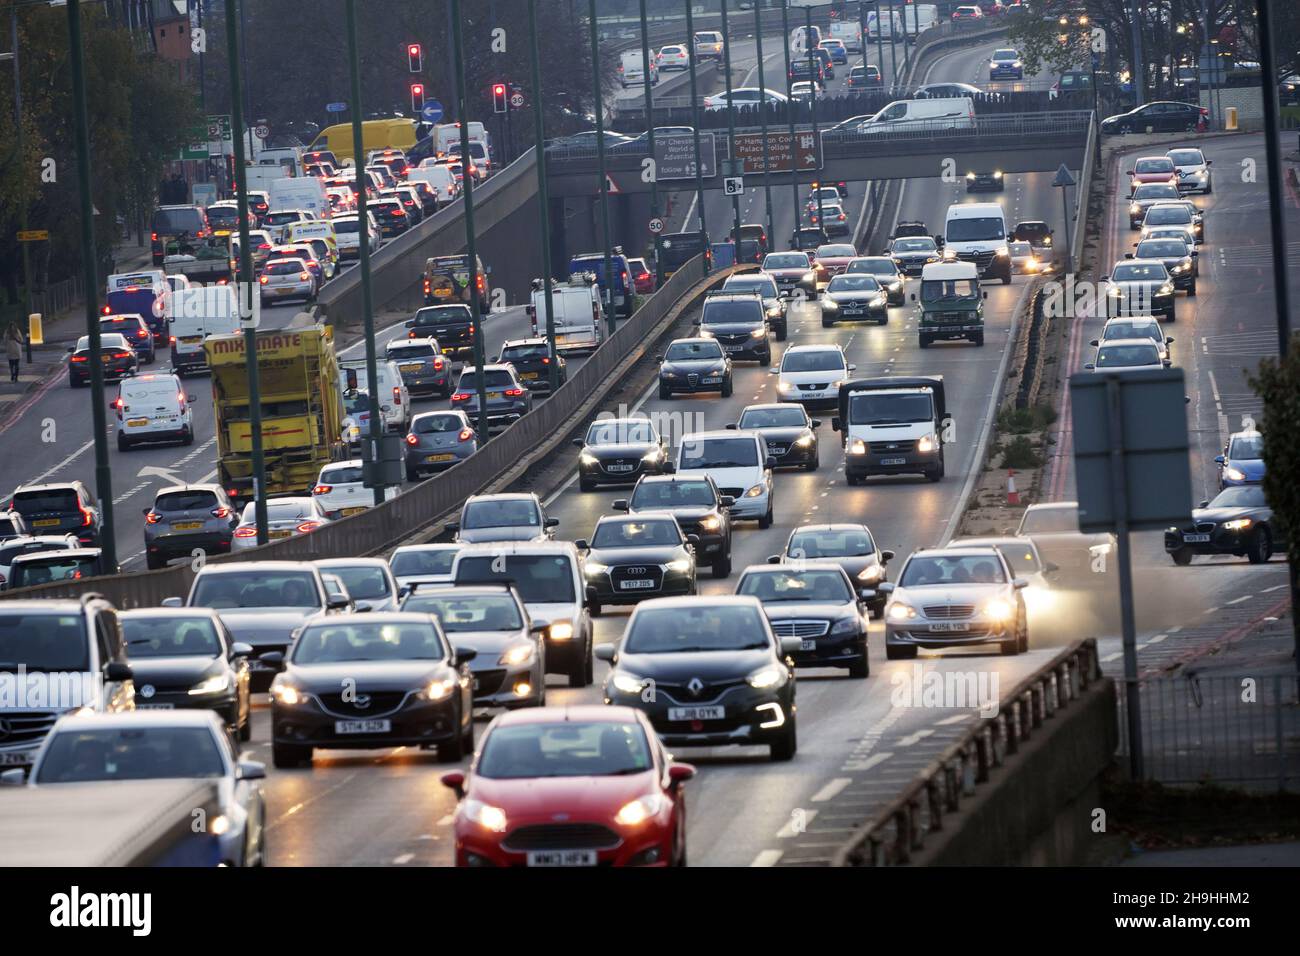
(765, 286)
(700, 509)
(633, 557)
(187, 659)
(1238, 521)
(71, 564)
(1036, 232)
(65, 507)
(117, 354)
(913, 253)
(619, 451)
(849, 545)
(985, 181)
(451, 325)
(738, 322)
(424, 370)
(719, 675)
(803, 70)
(391, 216)
(816, 603)
(786, 429)
(694, 365)
(135, 330)
(909, 227)
(532, 361)
(390, 679)
(806, 239)
(1180, 261)
(887, 273)
(854, 297)
(1162, 116)
(678, 248)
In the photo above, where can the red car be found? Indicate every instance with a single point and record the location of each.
(643, 280)
(571, 786)
(1152, 169)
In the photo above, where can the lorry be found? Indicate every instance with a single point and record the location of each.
(893, 426)
(394, 133)
(193, 315)
(302, 409)
(577, 312)
(951, 304)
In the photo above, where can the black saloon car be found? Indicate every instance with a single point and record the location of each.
(700, 509)
(1238, 521)
(633, 557)
(618, 451)
(786, 429)
(694, 365)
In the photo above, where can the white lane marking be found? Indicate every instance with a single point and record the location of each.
(1276, 587)
(1157, 639)
(957, 719)
(870, 762)
(446, 821)
(49, 471)
(1209, 610)
(1175, 630)
(791, 830)
(768, 858)
(915, 738)
(403, 858)
(1111, 657)
(1244, 597)
(831, 790)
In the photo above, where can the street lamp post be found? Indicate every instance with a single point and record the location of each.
(695, 125)
(543, 202)
(812, 110)
(893, 53)
(650, 140)
(880, 48)
(789, 112)
(762, 117)
(731, 127)
(598, 106)
(22, 179)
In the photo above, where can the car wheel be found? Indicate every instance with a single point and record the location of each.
(412, 475)
(924, 341)
(1261, 547)
(828, 323)
(665, 392)
(287, 756)
(122, 443)
(1182, 557)
(899, 652)
(765, 521)
(1024, 636)
(1006, 277)
(246, 729)
(453, 751)
(781, 334)
(814, 464)
(1171, 316)
(766, 360)
(1191, 289)
(726, 387)
(784, 748)
(978, 338)
(862, 668)
(578, 670)
(591, 663)
(1010, 648)
(722, 566)
(188, 437)
(586, 485)
(153, 562)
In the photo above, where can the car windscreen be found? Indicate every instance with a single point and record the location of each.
(443, 315)
(1161, 165)
(853, 283)
(185, 501)
(820, 360)
(346, 225)
(695, 629)
(179, 636)
(1241, 447)
(1050, 521)
(937, 290)
(786, 585)
(696, 454)
(568, 749)
(521, 353)
(914, 245)
(741, 313)
(14, 547)
(652, 495)
(633, 533)
(1120, 356)
(1167, 216)
(831, 543)
(786, 261)
(1021, 558)
(836, 252)
(284, 267)
(1240, 496)
(221, 216)
(692, 351)
(1032, 230)
(492, 379)
(261, 588)
(788, 417)
(1155, 191)
(889, 409)
(460, 614)
(341, 475)
(437, 424)
(416, 562)
(875, 267)
(539, 578)
(1162, 249)
(405, 353)
(364, 582)
(1186, 157)
(279, 218)
(501, 513)
(976, 229)
(1140, 272)
(764, 286)
(28, 503)
(1132, 330)
(43, 641)
(620, 433)
(336, 641)
(173, 222)
(130, 753)
(958, 569)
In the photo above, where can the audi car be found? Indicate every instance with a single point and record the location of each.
(633, 557)
(700, 509)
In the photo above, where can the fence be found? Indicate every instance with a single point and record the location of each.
(57, 298)
(1242, 731)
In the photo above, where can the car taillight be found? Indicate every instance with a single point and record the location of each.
(171, 339)
(546, 360)
(399, 212)
(465, 434)
(460, 397)
(141, 333)
(246, 532)
(105, 310)
(221, 512)
(264, 280)
(153, 237)
(77, 358)
(152, 517)
(514, 392)
(121, 355)
(87, 518)
(322, 489)
(397, 395)
(304, 276)
(438, 364)
(308, 526)
(411, 439)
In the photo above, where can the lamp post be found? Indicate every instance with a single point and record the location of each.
(695, 124)
(812, 110)
(598, 106)
(789, 112)
(22, 178)
(731, 127)
(543, 202)
(762, 118)
(650, 140)
(880, 49)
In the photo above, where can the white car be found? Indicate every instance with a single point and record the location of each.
(11, 548)
(812, 374)
(339, 490)
(285, 518)
(153, 408)
(347, 230)
(745, 96)
(674, 57)
(286, 279)
(1193, 170)
(1126, 355)
(1136, 327)
(416, 564)
(1023, 259)
(739, 465)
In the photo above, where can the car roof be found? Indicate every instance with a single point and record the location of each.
(578, 713)
(832, 526)
(788, 568)
(326, 564)
(717, 433)
(60, 553)
(695, 600)
(814, 347)
(1054, 506)
(989, 541)
(162, 613)
(178, 717)
(694, 340)
(233, 566)
(531, 340)
(504, 496)
(1134, 341)
(430, 546)
(59, 485)
(639, 516)
(519, 547)
(955, 550)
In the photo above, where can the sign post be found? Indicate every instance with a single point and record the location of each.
(675, 156)
(785, 152)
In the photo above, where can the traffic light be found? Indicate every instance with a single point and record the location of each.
(500, 104)
(417, 97)
(415, 57)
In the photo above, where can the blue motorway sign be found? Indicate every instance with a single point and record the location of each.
(335, 107)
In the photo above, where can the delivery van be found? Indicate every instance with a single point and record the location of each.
(848, 32)
(153, 408)
(395, 133)
(631, 69)
(307, 231)
(143, 293)
(394, 396)
(447, 133)
(941, 113)
(577, 312)
(306, 193)
(977, 232)
(440, 178)
(194, 314)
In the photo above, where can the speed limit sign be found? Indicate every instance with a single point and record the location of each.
(517, 101)
(656, 225)
(262, 132)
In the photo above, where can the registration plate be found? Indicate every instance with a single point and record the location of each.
(283, 291)
(893, 461)
(191, 339)
(135, 422)
(493, 394)
(562, 858)
(949, 628)
(807, 645)
(528, 376)
(776, 450)
(413, 367)
(442, 293)
(853, 311)
(439, 457)
(619, 467)
(634, 584)
(19, 759)
(362, 726)
(716, 712)
(1196, 538)
(353, 511)
(45, 523)
(278, 534)
(186, 525)
(731, 348)
(155, 706)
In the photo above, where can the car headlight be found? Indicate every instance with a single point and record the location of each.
(998, 174)
(595, 567)
(766, 677)
(1178, 269)
(830, 305)
(679, 566)
(561, 630)
(758, 334)
(1237, 524)
(710, 523)
(485, 815)
(706, 333)
(774, 312)
(1114, 292)
(810, 277)
(949, 254)
(998, 609)
(970, 176)
(872, 572)
(755, 490)
(845, 625)
(857, 447)
(804, 441)
(627, 683)
(213, 685)
(783, 386)
(1166, 289)
(898, 611)
(1003, 252)
(654, 454)
(288, 694)
(587, 458)
(877, 301)
(1236, 474)
(639, 810)
(895, 285)
(926, 444)
(439, 689)
(519, 654)
(1135, 208)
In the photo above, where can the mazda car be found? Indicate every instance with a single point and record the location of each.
(786, 429)
(850, 545)
(619, 451)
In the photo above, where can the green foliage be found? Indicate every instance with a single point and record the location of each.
(1020, 453)
(1277, 381)
(1021, 421)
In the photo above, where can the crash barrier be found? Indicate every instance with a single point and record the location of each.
(380, 528)
(1082, 192)
(983, 759)
(1030, 360)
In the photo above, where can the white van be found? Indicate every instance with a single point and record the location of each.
(153, 408)
(194, 314)
(577, 312)
(439, 177)
(951, 112)
(803, 39)
(977, 232)
(631, 69)
(448, 133)
(306, 193)
(394, 398)
(848, 32)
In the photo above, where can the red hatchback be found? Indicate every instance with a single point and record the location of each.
(571, 786)
(1152, 169)
(643, 279)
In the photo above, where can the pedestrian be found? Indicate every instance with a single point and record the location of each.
(14, 342)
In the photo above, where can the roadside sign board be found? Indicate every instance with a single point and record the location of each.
(517, 101)
(196, 144)
(335, 107)
(33, 235)
(782, 152)
(675, 156)
(432, 111)
(733, 186)
(656, 225)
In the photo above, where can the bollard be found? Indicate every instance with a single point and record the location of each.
(1230, 119)
(1013, 496)
(35, 333)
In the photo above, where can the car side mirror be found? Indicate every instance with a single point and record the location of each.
(726, 501)
(620, 504)
(274, 659)
(191, 398)
(790, 645)
(866, 594)
(453, 525)
(577, 443)
(1204, 504)
(338, 602)
(853, 368)
(606, 652)
(774, 371)
(14, 777)
(836, 424)
(145, 511)
(668, 468)
(1091, 367)
(172, 602)
(552, 522)
(463, 655)
(410, 323)
(1128, 255)
(582, 545)
(692, 539)
(885, 587)
(455, 782)
(912, 297)
(1195, 254)
(679, 773)
(1020, 583)
(886, 556)
(117, 671)
(1220, 459)
(1094, 342)
(495, 358)
(250, 770)
(1105, 278)
(240, 649)
(659, 359)
(732, 426)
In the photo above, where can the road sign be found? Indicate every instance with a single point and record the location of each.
(335, 107)
(675, 156)
(782, 152)
(611, 187)
(1063, 177)
(517, 101)
(733, 186)
(432, 111)
(219, 129)
(262, 131)
(33, 235)
(656, 225)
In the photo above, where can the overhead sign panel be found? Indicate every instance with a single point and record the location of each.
(675, 156)
(783, 153)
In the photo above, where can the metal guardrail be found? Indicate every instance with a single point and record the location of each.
(58, 297)
(898, 831)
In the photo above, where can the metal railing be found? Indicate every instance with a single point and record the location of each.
(898, 831)
(57, 298)
(1238, 730)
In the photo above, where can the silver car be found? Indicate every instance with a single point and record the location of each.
(11, 548)
(185, 518)
(506, 517)
(438, 440)
(369, 581)
(286, 279)
(285, 518)
(955, 597)
(422, 564)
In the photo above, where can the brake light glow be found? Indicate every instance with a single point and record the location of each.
(77, 358)
(171, 339)
(397, 395)
(304, 276)
(438, 364)
(514, 392)
(87, 517)
(152, 517)
(460, 397)
(221, 512)
(264, 280)
(322, 489)
(307, 526)
(246, 532)
(411, 439)
(465, 434)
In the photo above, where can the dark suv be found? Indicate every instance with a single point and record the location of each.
(532, 361)
(422, 366)
(451, 325)
(738, 321)
(178, 227)
(136, 331)
(185, 517)
(65, 507)
(698, 506)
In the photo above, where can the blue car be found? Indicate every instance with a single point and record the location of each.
(1006, 64)
(1242, 461)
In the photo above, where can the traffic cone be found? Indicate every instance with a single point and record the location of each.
(1013, 496)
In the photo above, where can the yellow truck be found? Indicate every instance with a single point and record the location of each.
(302, 410)
(395, 133)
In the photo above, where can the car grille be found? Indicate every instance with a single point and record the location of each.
(981, 259)
(734, 492)
(855, 304)
(883, 447)
(940, 612)
(27, 727)
(692, 379)
(816, 386)
(489, 682)
(637, 572)
(377, 703)
(724, 339)
(1205, 527)
(711, 690)
(800, 628)
(561, 836)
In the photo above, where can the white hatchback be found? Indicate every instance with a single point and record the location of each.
(340, 491)
(285, 518)
(812, 374)
(153, 408)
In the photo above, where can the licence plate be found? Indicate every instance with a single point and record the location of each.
(1196, 538)
(853, 311)
(634, 584)
(716, 712)
(155, 706)
(45, 523)
(442, 292)
(493, 394)
(278, 534)
(353, 511)
(893, 461)
(362, 726)
(807, 645)
(412, 367)
(439, 457)
(133, 422)
(191, 339)
(20, 758)
(283, 291)
(526, 376)
(731, 348)
(186, 525)
(619, 467)
(562, 858)
(949, 628)
(776, 450)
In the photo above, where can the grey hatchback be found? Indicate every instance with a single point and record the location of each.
(422, 366)
(507, 399)
(186, 517)
(438, 440)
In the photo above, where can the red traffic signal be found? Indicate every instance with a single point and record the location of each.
(500, 103)
(414, 57)
(417, 97)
